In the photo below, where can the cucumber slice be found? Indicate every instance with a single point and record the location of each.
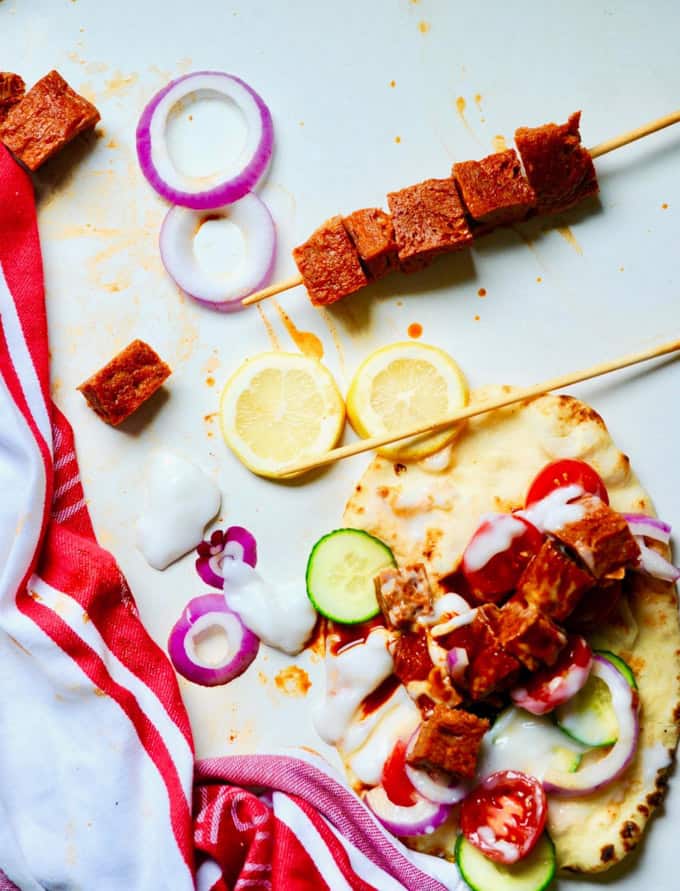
(589, 717)
(340, 573)
(534, 873)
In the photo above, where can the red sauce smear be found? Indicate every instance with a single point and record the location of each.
(342, 636)
(380, 695)
(415, 329)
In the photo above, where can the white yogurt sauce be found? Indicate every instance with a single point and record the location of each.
(281, 616)
(395, 722)
(350, 677)
(554, 511)
(524, 742)
(502, 530)
(439, 462)
(180, 501)
(447, 603)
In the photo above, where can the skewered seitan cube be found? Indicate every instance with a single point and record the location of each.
(329, 264)
(494, 190)
(372, 234)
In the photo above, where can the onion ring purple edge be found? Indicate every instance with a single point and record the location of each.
(225, 193)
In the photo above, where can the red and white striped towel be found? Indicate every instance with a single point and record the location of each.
(96, 754)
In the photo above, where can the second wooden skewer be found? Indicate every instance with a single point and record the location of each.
(555, 383)
(601, 149)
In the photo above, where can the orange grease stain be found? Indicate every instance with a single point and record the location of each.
(271, 334)
(415, 329)
(307, 342)
(293, 681)
(499, 143)
(476, 318)
(481, 292)
(393, 83)
(210, 381)
(570, 238)
(664, 206)
(397, 139)
(539, 279)
(423, 26)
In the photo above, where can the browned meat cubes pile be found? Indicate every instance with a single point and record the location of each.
(439, 216)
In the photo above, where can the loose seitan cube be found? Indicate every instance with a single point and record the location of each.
(12, 89)
(494, 190)
(372, 234)
(558, 168)
(48, 117)
(428, 220)
(449, 740)
(403, 594)
(411, 656)
(531, 637)
(129, 379)
(329, 264)
(491, 669)
(601, 538)
(553, 582)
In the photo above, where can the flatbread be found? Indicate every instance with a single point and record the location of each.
(429, 515)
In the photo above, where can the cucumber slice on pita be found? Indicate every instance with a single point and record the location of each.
(534, 873)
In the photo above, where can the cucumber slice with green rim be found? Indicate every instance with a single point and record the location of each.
(588, 717)
(340, 573)
(534, 873)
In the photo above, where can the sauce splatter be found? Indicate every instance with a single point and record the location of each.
(478, 102)
(210, 381)
(293, 681)
(481, 292)
(570, 238)
(539, 279)
(620, 268)
(476, 318)
(664, 206)
(461, 105)
(415, 329)
(397, 139)
(423, 26)
(307, 342)
(393, 83)
(499, 143)
(271, 334)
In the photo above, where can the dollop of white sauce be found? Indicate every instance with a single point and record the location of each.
(281, 616)
(501, 531)
(180, 501)
(439, 461)
(447, 603)
(350, 677)
(554, 511)
(397, 720)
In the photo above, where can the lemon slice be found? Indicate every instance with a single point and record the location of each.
(401, 386)
(278, 409)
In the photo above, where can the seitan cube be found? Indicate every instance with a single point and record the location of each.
(429, 220)
(559, 169)
(403, 594)
(46, 119)
(494, 190)
(12, 89)
(491, 669)
(329, 264)
(372, 234)
(125, 383)
(553, 582)
(449, 740)
(525, 633)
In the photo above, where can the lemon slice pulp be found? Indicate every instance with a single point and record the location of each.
(278, 409)
(402, 386)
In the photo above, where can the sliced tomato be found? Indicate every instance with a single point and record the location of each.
(505, 815)
(509, 547)
(399, 789)
(551, 687)
(566, 472)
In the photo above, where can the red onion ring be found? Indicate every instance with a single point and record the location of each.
(650, 527)
(226, 291)
(227, 186)
(421, 818)
(198, 616)
(439, 789)
(601, 773)
(654, 564)
(235, 543)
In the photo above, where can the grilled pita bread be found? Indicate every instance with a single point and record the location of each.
(426, 512)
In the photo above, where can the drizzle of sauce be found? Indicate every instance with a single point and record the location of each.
(461, 105)
(293, 681)
(330, 324)
(499, 143)
(306, 341)
(478, 103)
(340, 637)
(481, 292)
(415, 330)
(271, 334)
(570, 238)
(380, 695)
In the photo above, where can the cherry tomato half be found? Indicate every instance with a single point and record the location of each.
(396, 783)
(550, 687)
(510, 547)
(566, 472)
(505, 815)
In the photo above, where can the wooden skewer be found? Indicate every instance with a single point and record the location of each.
(595, 152)
(556, 383)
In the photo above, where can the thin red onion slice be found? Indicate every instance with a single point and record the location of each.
(549, 688)
(654, 564)
(234, 543)
(200, 615)
(650, 527)
(457, 661)
(421, 818)
(438, 788)
(224, 186)
(601, 773)
(226, 290)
